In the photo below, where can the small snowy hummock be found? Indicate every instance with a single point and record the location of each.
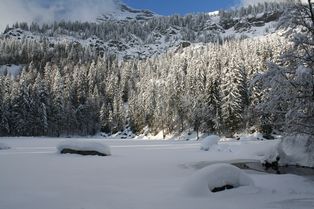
(84, 148)
(10, 70)
(209, 142)
(3, 146)
(204, 181)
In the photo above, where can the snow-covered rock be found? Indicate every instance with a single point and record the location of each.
(84, 148)
(3, 146)
(209, 142)
(214, 176)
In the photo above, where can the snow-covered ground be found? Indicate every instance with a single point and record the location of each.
(3, 146)
(139, 175)
(10, 70)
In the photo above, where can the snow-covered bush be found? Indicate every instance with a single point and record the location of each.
(297, 150)
(209, 142)
(204, 181)
(3, 146)
(293, 150)
(84, 148)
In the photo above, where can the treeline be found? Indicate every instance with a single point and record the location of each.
(62, 99)
(25, 51)
(224, 87)
(207, 89)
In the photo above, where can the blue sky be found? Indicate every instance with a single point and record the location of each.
(168, 7)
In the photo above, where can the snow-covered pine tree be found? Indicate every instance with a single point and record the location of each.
(58, 105)
(20, 111)
(233, 99)
(4, 106)
(40, 106)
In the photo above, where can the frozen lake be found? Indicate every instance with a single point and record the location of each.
(138, 175)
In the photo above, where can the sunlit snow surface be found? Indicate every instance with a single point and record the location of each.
(138, 175)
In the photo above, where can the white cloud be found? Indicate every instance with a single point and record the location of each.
(45, 11)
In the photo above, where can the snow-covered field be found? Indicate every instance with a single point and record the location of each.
(138, 175)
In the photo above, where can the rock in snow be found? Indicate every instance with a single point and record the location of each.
(208, 179)
(84, 148)
(3, 146)
(209, 142)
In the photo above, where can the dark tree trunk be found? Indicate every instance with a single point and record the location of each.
(311, 10)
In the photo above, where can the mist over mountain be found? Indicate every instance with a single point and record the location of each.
(47, 11)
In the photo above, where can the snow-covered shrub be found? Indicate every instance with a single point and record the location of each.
(293, 150)
(209, 142)
(84, 148)
(4, 146)
(204, 181)
(297, 150)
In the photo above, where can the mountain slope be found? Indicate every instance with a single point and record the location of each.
(124, 12)
(74, 79)
(131, 33)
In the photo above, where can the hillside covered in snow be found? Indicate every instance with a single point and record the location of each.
(131, 33)
(243, 70)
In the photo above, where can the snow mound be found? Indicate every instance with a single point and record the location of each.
(3, 146)
(295, 150)
(10, 70)
(209, 142)
(84, 148)
(204, 181)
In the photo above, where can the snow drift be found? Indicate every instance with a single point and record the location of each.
(204, 181)
(3, 146)
(84, 148)
(209, 142)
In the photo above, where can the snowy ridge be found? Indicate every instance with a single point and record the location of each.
(214, 13)
(123, 12)
(214, 27)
